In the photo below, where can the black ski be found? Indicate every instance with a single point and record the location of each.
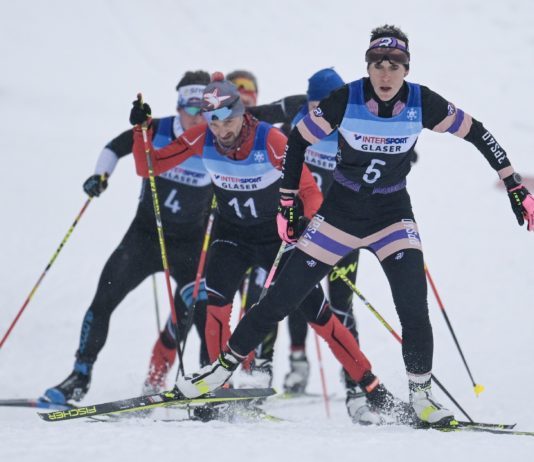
(497, 426)
(498, 429)
(168, 398)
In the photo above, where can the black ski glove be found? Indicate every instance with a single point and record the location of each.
(521, 200)
(140, 113)
(95, 185)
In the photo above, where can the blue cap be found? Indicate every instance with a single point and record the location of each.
(322, 83)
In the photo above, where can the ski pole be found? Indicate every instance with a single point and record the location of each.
(161, 237)
(323, 378)
(156, 303)
(200, 269)
(267, 284)
(244, 297)
(25, 304)
(476, 386)
(347, 281)
(270, 276)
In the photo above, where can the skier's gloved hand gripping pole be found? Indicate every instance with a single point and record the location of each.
(50, 263)
(96, 185)
(140, 115)
(521, 200)
(353, 287)
(287, 218)
(477, 387)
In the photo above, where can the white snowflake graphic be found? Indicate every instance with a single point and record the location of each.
(412, 114)
(259, 157)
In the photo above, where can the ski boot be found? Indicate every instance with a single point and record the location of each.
(358, 408)
(161, 361)
(382, 401)
(427, 410)
(210, 377)
(74, 387)
(262, 372)
(296, 379)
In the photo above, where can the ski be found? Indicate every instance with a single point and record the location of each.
(486, 428)
(497, 426)
(35, 403)
(232, 412)
(459, 425)
(168, 398)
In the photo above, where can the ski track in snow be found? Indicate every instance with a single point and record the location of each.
(69, 73)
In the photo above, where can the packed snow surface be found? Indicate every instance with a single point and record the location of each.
(69, 73)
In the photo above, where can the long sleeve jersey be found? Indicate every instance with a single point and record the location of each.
(376, 139)
(198, 141)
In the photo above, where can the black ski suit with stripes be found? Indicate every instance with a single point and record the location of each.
(367, 206)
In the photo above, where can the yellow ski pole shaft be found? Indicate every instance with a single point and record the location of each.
(200, 270)
(161, 237)
(50, 263)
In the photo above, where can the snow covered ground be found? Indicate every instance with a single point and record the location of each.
(69, 72)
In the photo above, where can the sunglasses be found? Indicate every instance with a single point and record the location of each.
(191, 110)
(218, 114)
(393, 55)
(244, 84)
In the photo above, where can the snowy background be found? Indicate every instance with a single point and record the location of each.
(69, 72)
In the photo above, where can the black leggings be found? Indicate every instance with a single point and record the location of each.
(301, 274)
(340, 296)
(233, 251)
(137, 257)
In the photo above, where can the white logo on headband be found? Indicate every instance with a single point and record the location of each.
(386, 42)
(214, 100)
(190, 92)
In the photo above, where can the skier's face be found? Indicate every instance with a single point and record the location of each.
(249, 98)
(386, 78)
(187, 120)
(226, 131)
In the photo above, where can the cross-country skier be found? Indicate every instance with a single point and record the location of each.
(185, 193)
(244, 157)
(261, 368)
(379, 119)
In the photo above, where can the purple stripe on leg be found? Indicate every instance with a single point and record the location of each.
(329, 244)
(395, 236)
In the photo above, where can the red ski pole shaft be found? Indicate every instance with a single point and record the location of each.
(477, 387)
(50, 263)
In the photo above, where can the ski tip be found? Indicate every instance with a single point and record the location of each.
(478, 389)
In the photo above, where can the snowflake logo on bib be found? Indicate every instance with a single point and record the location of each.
(412, 114)
(259, 157)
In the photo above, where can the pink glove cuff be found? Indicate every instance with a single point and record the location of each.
(287, 202)
(528, 211)
(281, 223)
